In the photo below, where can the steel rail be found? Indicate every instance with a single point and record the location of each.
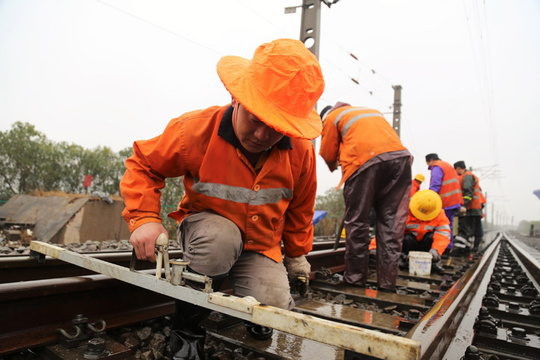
(359, 340)
(439, 326)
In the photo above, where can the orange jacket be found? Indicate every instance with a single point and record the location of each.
(450, 191)
(472, 195)
(440, 226)
(353, 135)
(274, 205)
(414, 187)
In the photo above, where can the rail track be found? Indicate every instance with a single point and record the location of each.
(485, 306)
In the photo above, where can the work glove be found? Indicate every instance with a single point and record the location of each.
(435, 254)
(298, 269)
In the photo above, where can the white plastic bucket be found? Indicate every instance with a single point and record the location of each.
(419, 263)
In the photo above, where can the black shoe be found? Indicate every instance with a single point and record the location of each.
(403, 262)
(186, 345)
(259, 332)
(392, 290)
(438, 268)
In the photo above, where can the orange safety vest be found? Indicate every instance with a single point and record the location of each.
(353, 135)
(477, 197)
(218, 178)
(450, 191)
(414, 187)
(440, 226)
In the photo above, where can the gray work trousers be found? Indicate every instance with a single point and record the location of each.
(213, 245)
(385, 186)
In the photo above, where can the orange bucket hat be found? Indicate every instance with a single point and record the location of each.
(280, 86)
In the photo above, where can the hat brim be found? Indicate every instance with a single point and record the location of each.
(232, 72)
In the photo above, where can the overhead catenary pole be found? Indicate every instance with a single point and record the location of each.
(396, 123)
(310, 26)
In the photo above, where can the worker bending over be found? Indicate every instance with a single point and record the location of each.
(376, 171)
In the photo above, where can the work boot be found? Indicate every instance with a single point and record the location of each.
(187, 336)
(403, 262)
(438, 268)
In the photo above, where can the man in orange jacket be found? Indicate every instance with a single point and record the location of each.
(427, 228)
(470, 217)
(444, 181)
(248, 171)
(416, 182)
(376, 171)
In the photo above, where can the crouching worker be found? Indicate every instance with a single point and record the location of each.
(427, 228)
(250, 183)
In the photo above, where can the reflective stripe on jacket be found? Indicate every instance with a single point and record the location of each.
(353, 135)
(270, 206)
(472, 194)
(440, 226)
(450, 191)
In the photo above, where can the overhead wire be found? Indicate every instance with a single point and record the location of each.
(148, 22)
(478, 34)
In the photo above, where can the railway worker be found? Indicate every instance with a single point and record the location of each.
(416, 182)
(427, 228)
(249, 176)
(444, 181)
(376, 171)
(470, 215)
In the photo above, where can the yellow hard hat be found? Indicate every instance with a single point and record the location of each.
(426, 205)
(419, 177)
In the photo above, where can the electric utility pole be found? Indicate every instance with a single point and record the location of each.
(397, 109)
(310, 26)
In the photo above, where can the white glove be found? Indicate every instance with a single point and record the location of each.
(298, 269)
(435, 254)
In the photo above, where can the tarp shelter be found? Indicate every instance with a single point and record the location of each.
(67, 219)
(318, 216)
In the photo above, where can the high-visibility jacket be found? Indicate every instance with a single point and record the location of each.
(450, 191)
(414, 187)
(439, 226)
(354, 135)
(470, 187)
(272, 205)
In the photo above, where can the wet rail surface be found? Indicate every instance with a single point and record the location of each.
(483, 305)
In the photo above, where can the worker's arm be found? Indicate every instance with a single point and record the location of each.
(152, 161)
(298, 227)
(330, 144)
(441, 236)
(468, 189)
(437, 175)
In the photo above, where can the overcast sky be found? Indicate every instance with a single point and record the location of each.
(106, 73)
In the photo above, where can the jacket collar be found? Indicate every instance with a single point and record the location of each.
(226, 131)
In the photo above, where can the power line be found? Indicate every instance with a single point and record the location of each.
(158, 27)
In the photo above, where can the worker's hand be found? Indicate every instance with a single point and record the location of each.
(462, 210)
(435, 254)
(298, 269)
(144, 238)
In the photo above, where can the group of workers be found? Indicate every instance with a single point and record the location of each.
(249, 176)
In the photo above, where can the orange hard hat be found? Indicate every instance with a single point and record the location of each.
(280, 86)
